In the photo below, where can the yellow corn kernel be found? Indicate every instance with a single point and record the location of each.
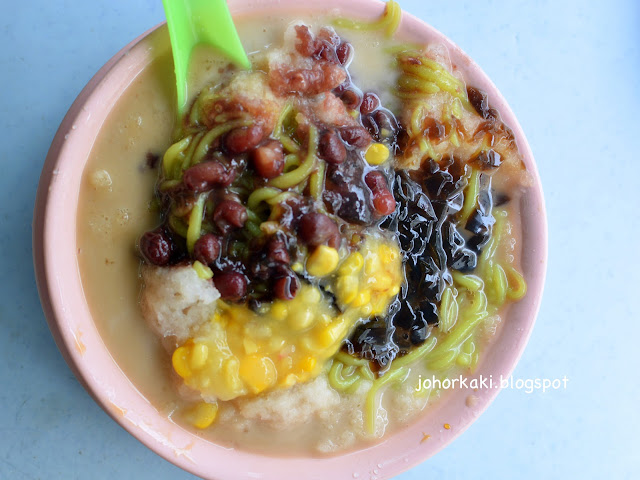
(276, 344)
(250, 347)
(289, 380)
(300, 318)
(261, 331)
(308, 363)
(352, 264)
(279, 310)
(394, 290)
(322, 261)
(362, 298)
(199, 355)
(297, 267)
(325, 337)
(371, 264)
(383, 282)
(377, 154)
(202, 415)
(180, 362)
(347, 289)
(230, 374)
(387, 254)
(259, 373)
(330, 334)
(310, 295)
(203, 271)
(379, 304)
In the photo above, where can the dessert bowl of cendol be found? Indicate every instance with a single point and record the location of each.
(317, 269)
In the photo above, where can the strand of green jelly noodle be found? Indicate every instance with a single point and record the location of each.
(210, 94)
(178, 225)
(469, 317)
(417, 85)
(397, 372)
(173, 158)
(426, 147)
(427, 78)
(450, 111)
(316, 182)
(217, 131)
(188, 154)
(253, 224)
(471, 282)
(195, 222)
(493, 274)
(371, 409)
(300, 174)
(431, 71)
(417, 117)
(337, 378)
(448, 309)
(356, 369)
(261, 195)
(279, 130)
(291, 162)
(388, 22)
(520, 290)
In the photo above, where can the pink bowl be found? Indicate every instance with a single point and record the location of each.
(61, 293)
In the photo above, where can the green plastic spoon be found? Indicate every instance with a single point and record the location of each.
(194, 22)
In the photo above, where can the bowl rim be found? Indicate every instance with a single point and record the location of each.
(60, 288)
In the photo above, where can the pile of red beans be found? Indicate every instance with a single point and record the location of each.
(257, 267)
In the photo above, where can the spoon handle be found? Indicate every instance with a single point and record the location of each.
(193, 22)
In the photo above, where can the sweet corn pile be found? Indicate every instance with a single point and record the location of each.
(242, 352)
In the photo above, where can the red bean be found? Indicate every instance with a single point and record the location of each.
(344, 52)
(231, 285)
(156, 247)
(355, 136)
(277, 251)
(339, 90)
(285, 288)
(385, 119)
(376, 181)
(350, 98)
(243, 139)
(318, 229)
(370, 102)
(206, 175)
(330, 147)
(268, 159)
(383, 202)
(229, 215)
(207, 248)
